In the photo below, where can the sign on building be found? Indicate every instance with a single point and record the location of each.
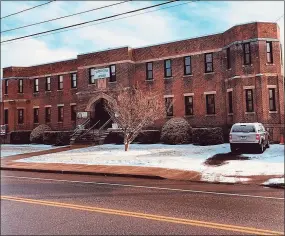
(102, 73)
(82, 114)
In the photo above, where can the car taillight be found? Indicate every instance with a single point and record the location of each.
(230, 137)
(257, 137)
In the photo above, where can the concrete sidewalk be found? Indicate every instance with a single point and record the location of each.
(8, 163)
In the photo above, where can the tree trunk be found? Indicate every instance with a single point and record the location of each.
(126, 146)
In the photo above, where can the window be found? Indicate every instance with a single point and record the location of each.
(47, 114)
(36, 115)
(269, 54)
(228, 58)
(249, 100)
(74, 80)
(6, 86)
(48, 84)
(20, 86)
(91, 76)
(187, 66)
(149, 71)
(169, 106)
(210, 104)
(272, 104)
(188, 105)
(209, 62)
(246, 54)
(167, 68)
(60, 114)
(73, 112)
(6, 116)
(230, 100)
(112, 73)
(36, 85)
(60, 82)
(20, 116)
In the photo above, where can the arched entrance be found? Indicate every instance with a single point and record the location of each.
(97, 111)
(99, 114)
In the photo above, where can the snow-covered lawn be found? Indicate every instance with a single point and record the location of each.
(182, 157)
(15, 149)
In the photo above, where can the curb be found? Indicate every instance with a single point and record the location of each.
(83, 173)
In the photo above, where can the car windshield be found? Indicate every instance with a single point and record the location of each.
(243, 128)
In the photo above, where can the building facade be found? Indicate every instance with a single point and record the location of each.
(215, 80)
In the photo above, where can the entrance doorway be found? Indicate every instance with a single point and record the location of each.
(100, 114)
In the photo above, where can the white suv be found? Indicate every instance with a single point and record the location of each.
(249, 134)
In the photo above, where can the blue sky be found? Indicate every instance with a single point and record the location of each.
(185, 21)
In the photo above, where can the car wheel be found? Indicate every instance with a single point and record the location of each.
(233, 148)
(267, 144)
(261, 147)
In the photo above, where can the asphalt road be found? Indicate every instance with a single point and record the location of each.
(61, 204)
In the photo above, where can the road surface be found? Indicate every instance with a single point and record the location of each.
(64, 204)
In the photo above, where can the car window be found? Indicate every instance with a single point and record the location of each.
(243, 128)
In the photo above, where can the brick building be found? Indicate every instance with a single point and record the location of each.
(214, 80)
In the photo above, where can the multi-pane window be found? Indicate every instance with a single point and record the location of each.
(6, 116)
(149, 71)
(60, 113)
(48, 84)
(6, 86)
(60, 82)
(187, 66)
(169, 106)
(249, 100)
(36, 85)
(47, 114)
(269, 54)
(228, 58)
(209, 62)
(188, 105)
(73, 112)
(272, 104)
(20, 86)
(210, 104)
(20, 116)
(246, 54)
(112, 73)
(91, 76)
(167, 68)
(74, 80)
(36, 115)
(230, 100)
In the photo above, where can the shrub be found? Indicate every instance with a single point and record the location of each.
(57, 138)
(116, 137)
(20, 137)
(208, 136)
(148, 136)
(38, 133)
(176, 131)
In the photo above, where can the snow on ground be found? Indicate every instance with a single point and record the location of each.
(274, 181)
(182, 157)
(15, 149)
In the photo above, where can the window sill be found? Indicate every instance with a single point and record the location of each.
(269, 64)
(20, 93)
(47, 91)
(60, 122)
(209, 73)
(149, 80)
(36, 123)
(166, 78)
(189, 116)
(273, 112)
(35, 93)
(186, 76)
(250, 113)
(229, 69)
(59, 90)
(170, 116)
(247, 65)
(230, 114)
(112, 82)
(91, 84)
(211, 115)
(74, 88)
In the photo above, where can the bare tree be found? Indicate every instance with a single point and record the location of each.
(134, 109)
